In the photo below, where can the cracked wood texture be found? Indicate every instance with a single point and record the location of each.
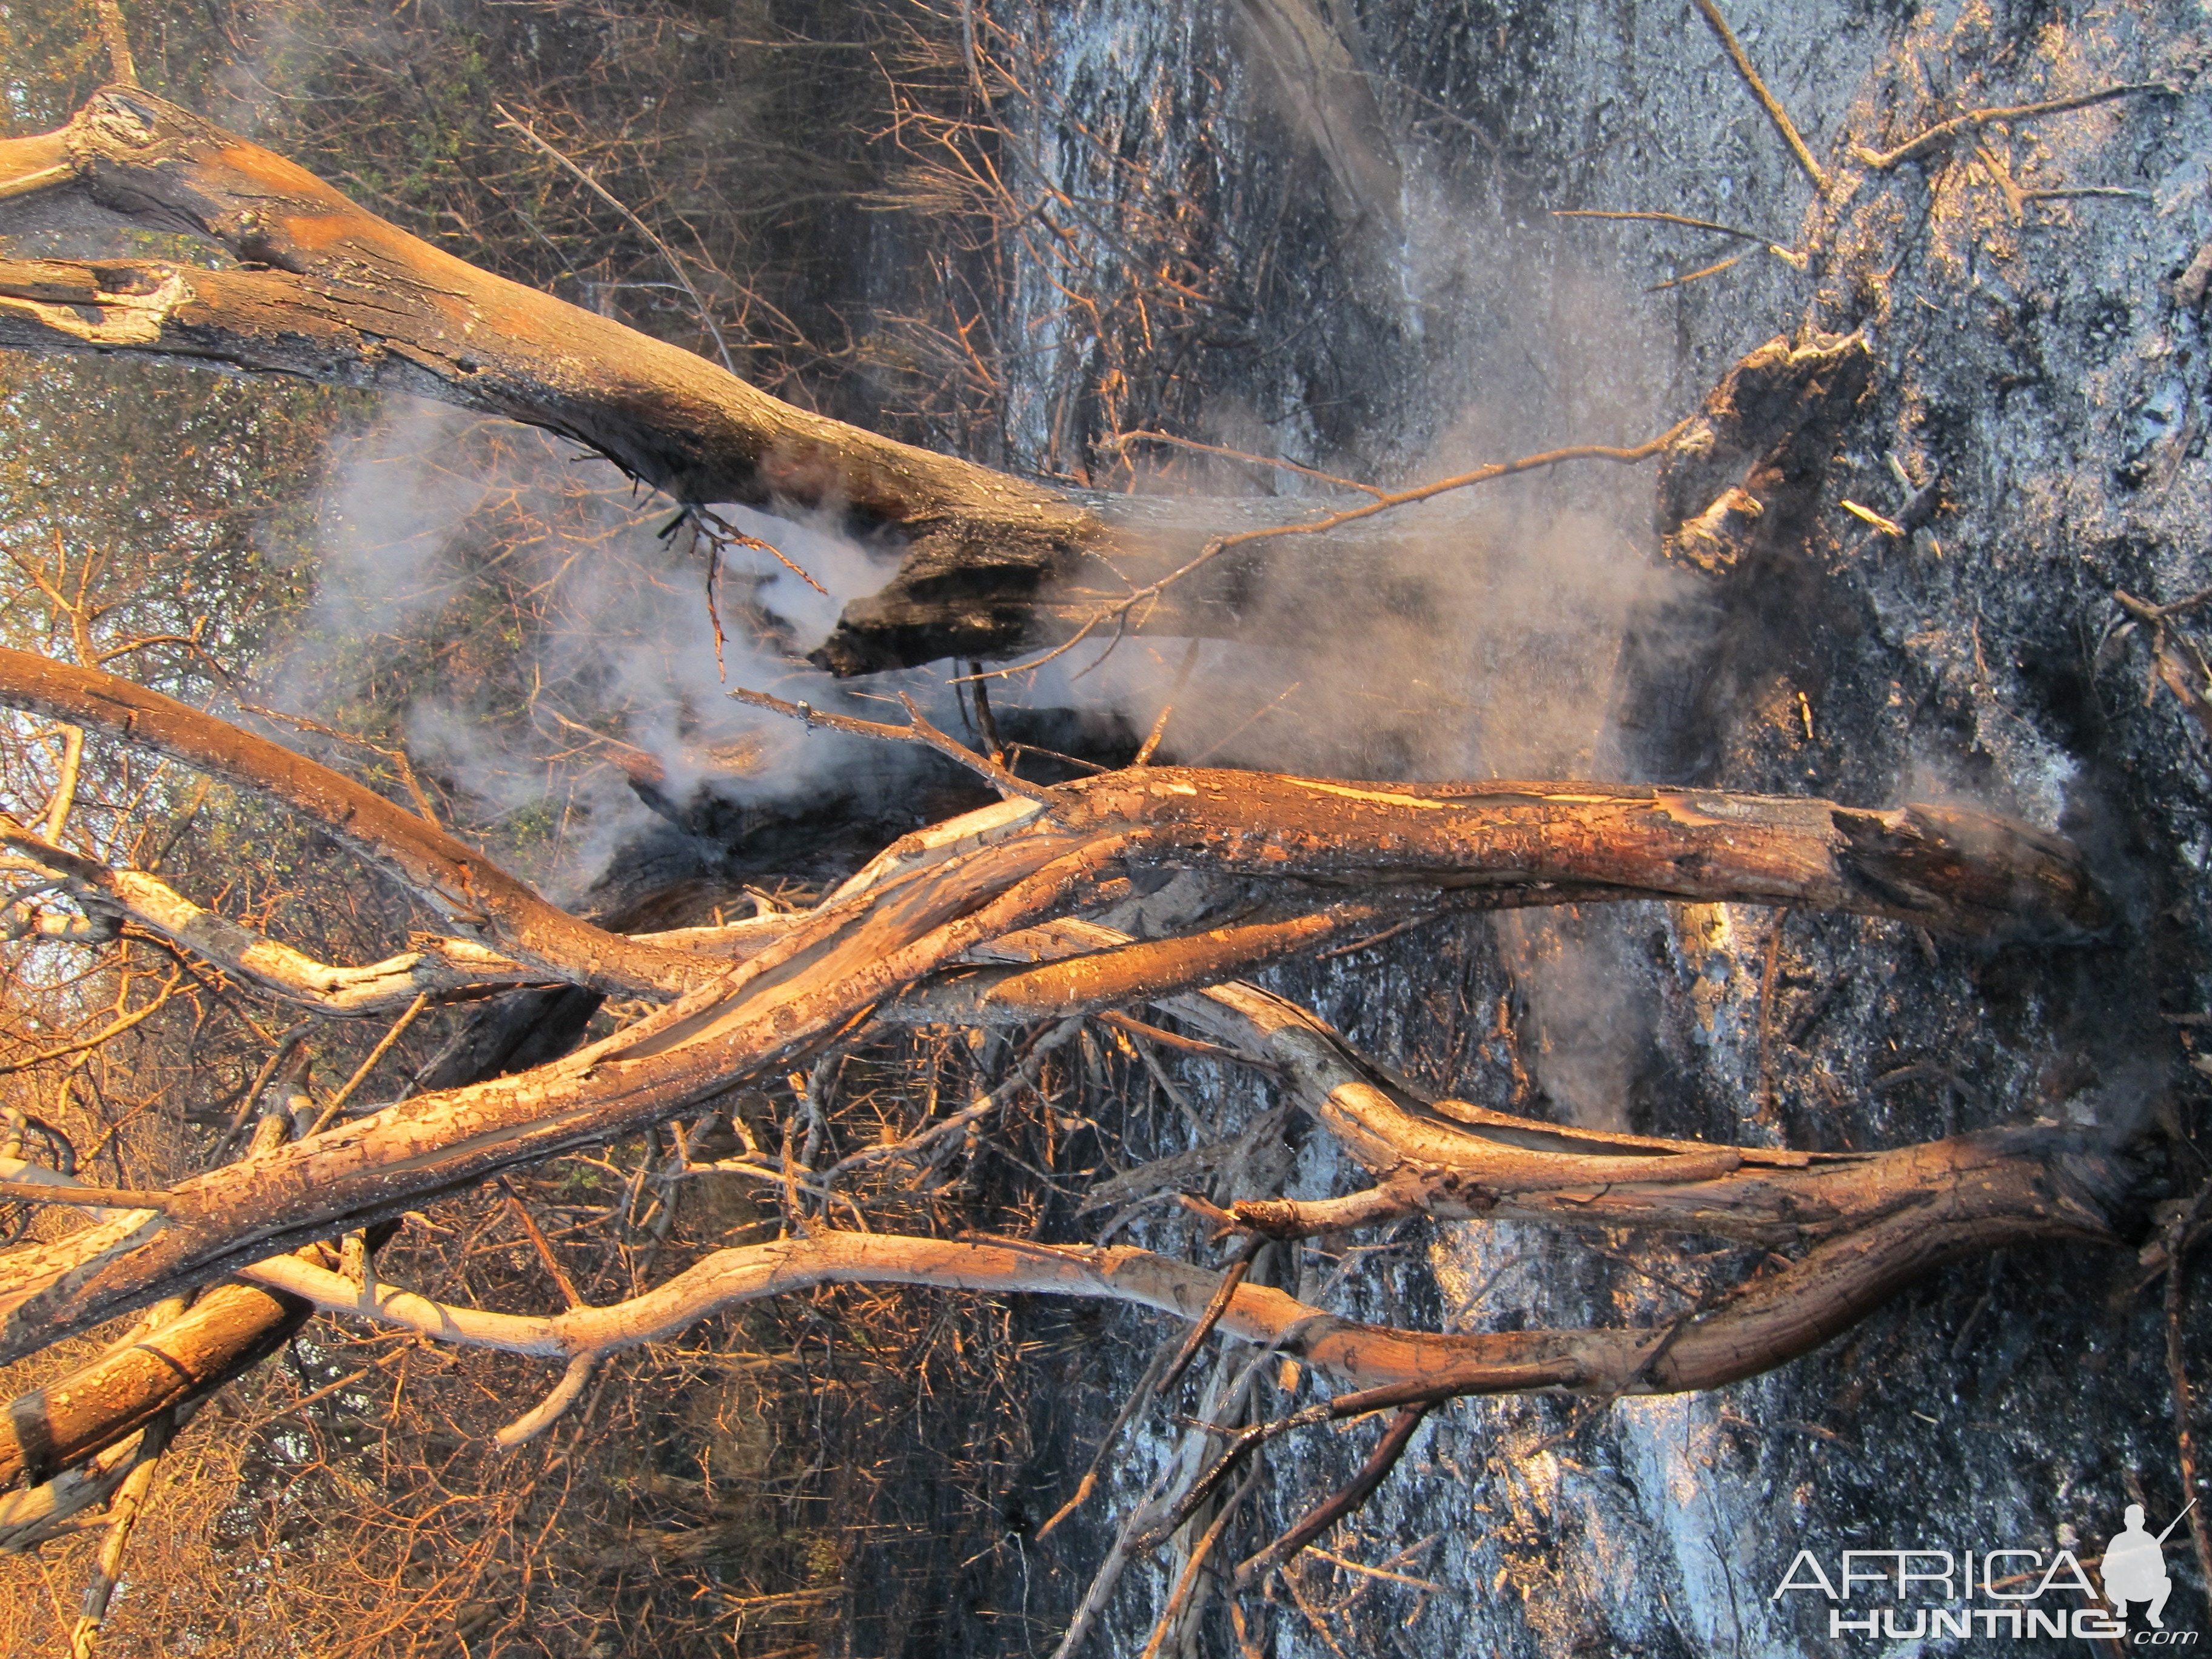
(1298, 845)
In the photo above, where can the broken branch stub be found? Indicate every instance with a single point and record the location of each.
(1745, 478)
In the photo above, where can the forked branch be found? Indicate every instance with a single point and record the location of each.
(1944, 133)
(1301, 845)
(474, 894)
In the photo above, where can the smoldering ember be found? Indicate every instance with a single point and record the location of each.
(889, 828)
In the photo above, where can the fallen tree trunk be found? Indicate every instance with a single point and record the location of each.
(1161, 851)
(991, 563)
(1878, 1220)
(330, 291)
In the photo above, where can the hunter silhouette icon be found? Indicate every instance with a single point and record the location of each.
(2133, 1568)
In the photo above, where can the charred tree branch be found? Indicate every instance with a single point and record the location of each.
(932, 897)
(472, 893)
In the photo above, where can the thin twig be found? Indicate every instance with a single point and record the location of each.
(1214, 1309)
(1943, 131)
(1664, 219)
(1314, 1616)
(280, 1058)
(1250, 720)
(397, 756)
(1244, 1441)
(1119, 611)
(919, 732)
(986, 728)
(98, 1198)
(675, 266)
(1868, 515)
(1391, 932)
(1361, 1487)
(542, 1244)
(2175, 660)
(2183, 1437)
(1147, 1385)
(1768, 973)
(1190, 1045)
(736, 538)
(329, 1114)
(2144, 610)
(1687, 277)
(1151, 743)
(713, 610)
(1199, 1558)
(1767, 100)
(1129, 438)
(1381, 1573)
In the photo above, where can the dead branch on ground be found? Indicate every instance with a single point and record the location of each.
(1944, 133)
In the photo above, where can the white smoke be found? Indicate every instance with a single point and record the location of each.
(514, 600)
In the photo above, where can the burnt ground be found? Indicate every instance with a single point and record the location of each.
(2027, 396)
(2027, 357)
(2028, 369)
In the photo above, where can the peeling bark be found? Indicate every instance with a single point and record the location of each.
(1302, 844)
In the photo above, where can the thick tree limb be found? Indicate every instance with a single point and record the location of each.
(228, 1329)
(916, 615)
(1762, 1325)
(332, 292)
(1744, 1193)
(341, 294)
(124, 1508)
(35, 1514)
(1305, 842)
(1457, 1161)
(1884, 1218)
(1132, 972)
(329, 292)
